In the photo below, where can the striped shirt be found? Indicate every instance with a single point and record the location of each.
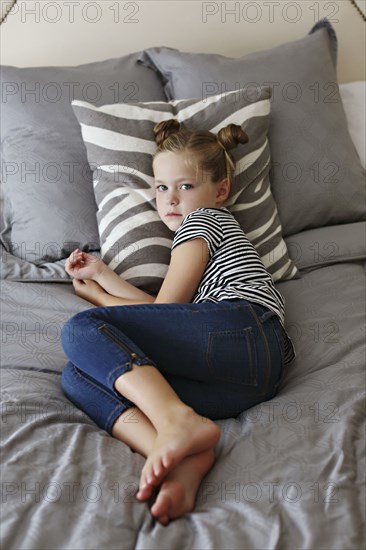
(234, 269)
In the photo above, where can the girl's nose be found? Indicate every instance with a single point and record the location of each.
(172, 199)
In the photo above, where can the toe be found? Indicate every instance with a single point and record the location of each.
(164, 519)
(145, 492)
(157, 470)
(147, 474)
(161, 506)
(167, 460)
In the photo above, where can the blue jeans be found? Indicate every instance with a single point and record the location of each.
(220, 358)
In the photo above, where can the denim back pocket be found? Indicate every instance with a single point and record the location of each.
(232, 356)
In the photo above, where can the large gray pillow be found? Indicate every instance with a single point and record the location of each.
(49, 205)
(316, 175)
(120, 143)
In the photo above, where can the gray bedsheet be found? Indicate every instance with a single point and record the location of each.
(289, 473)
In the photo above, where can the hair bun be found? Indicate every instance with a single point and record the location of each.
(231, 135)
(164, 129)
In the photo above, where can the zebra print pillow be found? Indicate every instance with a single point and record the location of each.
(119, 140)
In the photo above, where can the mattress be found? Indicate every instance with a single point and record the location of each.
(289, 472)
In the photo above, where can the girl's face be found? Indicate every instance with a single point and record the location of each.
(179, 192)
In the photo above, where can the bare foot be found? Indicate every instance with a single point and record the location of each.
(178, 491)
(186, 434)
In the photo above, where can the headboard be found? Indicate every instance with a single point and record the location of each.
(41, 33)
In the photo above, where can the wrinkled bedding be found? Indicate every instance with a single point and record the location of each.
(289, 472)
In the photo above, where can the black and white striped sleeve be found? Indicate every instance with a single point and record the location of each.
(200, 223)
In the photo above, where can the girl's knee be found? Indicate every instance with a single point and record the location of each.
(74, 331)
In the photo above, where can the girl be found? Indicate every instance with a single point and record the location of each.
(155, 371)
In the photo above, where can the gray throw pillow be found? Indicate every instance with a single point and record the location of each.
(316, 175)
(120, 143)
(49, 205)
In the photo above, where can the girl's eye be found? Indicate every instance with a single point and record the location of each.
(161, 188)
(187, 185)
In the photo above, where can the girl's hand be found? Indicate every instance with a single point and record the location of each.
(81, 265)
(90, 291)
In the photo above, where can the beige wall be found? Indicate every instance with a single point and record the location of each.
(75, 32)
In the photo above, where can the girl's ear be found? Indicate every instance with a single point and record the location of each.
(223, 190)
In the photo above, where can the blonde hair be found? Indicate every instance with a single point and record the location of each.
(210, 151)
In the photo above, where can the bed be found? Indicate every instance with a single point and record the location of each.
(289, 472)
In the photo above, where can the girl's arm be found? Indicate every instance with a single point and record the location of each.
(119, 288)
(83, 266)
(92, 292)
(187, 265)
